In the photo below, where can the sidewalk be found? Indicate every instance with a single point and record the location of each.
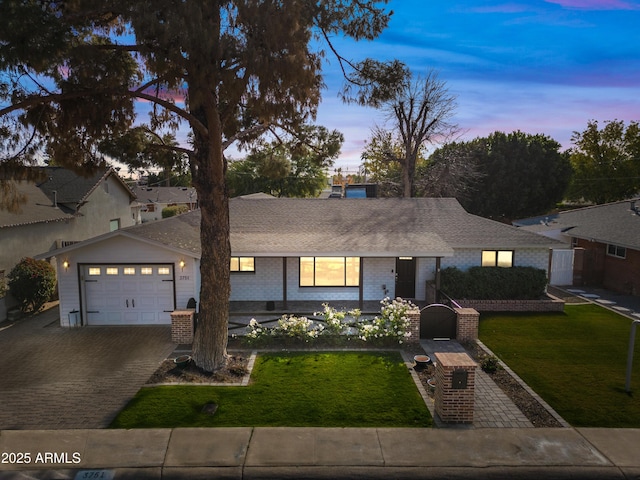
(281, 453)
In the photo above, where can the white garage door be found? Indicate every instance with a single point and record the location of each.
(128, 294)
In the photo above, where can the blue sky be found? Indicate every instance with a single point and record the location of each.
(536, 66)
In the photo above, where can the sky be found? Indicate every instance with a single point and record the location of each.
(543, 67)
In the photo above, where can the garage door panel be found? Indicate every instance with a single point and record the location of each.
(119, 299)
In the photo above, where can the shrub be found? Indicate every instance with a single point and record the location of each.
(289, 326)
(32, 283)
(494, 283)
(174, 210)
(489, 364)
(393, 322)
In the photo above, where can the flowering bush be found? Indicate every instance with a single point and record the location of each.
(393, 322)
(32, 283)
(289, 326)
(334, 320)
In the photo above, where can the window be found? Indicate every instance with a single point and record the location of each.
(114, 224)
(112, 270)
(146, 271)
(497, 258)
(329, 271)
(164, 271)
(129, 270)
(616, 251)
(94, 271)
(243, 264)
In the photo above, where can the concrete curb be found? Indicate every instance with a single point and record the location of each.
(323, 453)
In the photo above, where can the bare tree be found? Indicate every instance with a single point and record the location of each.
(419, 113)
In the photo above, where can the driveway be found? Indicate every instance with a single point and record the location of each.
(58, 378)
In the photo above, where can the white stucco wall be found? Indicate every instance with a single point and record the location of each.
(109, 201)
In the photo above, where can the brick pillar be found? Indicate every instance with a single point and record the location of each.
(467, 328)
(455, 387)
(414, 327)
(182, 326)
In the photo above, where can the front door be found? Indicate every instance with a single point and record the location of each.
(406, 277)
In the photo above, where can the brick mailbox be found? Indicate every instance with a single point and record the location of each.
(455, 387)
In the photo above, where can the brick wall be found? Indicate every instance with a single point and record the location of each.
(182, 326)
(551, 305)
(414, 328)
(454, 405)
(467, 326)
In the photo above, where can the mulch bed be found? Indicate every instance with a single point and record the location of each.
(233, 372)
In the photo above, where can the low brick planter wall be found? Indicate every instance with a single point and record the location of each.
(551, 304)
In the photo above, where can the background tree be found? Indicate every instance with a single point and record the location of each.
(143, 149)
(606, 162)
(451, 171)
(419, 113)
(520, 175)
(295, 166)
(378, 160)
(71, 71)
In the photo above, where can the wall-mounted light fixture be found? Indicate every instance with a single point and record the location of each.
(182, 264)
(65, 264)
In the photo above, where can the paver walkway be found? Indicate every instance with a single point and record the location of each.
(493, 408)
(55, 378)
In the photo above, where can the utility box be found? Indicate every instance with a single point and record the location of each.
(74, 318)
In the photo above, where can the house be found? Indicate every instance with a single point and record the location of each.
(287, 250)
(606, 244)
(151, 201)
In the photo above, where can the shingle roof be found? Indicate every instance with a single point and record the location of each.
(614, 223)
(359, 227)
(56, 197)
(38, 208)
(147, 194)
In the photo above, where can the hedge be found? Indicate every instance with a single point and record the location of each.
(174, 210)
(494, 283)
(32, 283)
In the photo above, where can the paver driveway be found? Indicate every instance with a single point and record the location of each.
(56, 378)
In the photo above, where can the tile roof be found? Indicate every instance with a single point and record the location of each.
(358, 227)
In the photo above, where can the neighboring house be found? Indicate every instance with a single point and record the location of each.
(287, 250)
(606, 244)
(151, 201)
(61, 209)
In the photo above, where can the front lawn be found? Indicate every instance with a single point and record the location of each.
(575, 361)
(318, 389)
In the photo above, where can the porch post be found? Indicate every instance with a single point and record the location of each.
(438, 268)
(361, 286)
(284, 282)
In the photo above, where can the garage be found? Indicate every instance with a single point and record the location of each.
(127, 294)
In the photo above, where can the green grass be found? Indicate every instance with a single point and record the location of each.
(321, 389)
(575, 361)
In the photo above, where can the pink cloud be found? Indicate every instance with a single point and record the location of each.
(596, 4)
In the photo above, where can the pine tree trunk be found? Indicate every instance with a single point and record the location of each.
(210, 341)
